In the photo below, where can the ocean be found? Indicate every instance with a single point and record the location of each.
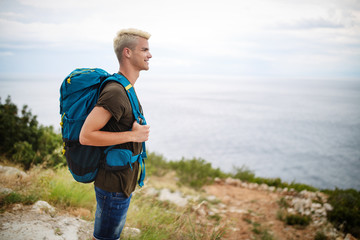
(301, 130)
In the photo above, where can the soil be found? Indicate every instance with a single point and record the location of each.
(250, 211)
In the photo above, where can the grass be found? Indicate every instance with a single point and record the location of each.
(163, 220)
(62, 190)
(261, 232)
(320, 236)
(293, 219)
(283, 203)
(153, 217)
(297, 219)
(56, 187)
(15, 197)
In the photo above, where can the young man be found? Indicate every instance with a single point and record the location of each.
(111, 122)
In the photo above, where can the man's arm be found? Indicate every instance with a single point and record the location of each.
(91, 135)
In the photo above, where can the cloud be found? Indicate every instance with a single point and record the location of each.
(11, 15)
(6, 54)
(313, 24)
(61, 5)
(191, 35)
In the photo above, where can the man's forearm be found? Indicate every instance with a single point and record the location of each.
(102, 138)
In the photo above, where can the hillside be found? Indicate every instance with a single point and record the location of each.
(226, 209)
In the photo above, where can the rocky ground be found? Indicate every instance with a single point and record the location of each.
(247, 211)
(250, 208)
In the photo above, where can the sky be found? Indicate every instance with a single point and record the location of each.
(248, 38)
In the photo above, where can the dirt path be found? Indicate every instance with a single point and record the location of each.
(251, 213)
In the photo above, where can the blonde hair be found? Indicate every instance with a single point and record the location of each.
(127, 38)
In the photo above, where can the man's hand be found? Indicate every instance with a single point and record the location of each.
(140, 132)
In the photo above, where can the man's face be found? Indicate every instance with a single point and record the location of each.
(141, 54)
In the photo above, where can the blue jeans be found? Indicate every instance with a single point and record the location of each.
(110, 215)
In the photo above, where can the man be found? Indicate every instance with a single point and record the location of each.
(111, 122)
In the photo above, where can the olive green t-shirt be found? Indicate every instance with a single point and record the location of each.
(114, 99)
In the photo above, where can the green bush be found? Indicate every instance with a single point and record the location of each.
(23, 154)
(346, 210)
(295, 219)
(244, 174)
(195, 172)
(24, 141)
(320, 236)
(156, 165)
(14, 197)
(15, 128)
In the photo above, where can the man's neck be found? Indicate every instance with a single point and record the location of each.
(130, 74)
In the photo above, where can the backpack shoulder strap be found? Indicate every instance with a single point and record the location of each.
(137, 114)
(131, 94)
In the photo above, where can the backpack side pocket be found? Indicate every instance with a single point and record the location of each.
(118, 159)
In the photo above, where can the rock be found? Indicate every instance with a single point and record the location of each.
(212, 198)
(301, 205)
(291, 211)
(320, 212)
(307, 194)
(5, 191)
(272, 188)
(28, 225)
(151, 191)
(17, 206)
(264, 187)
(201, 209)
(218, 180)
(328, 207)
(175, 197)
(315, 206)
(129, 232)
(222, 206)
(232, 182)
(11, 172)
(237, 210)
(42, 206)
(253, 185)
(244, 185)
(298, 205)
(349, 237)
(307, 212)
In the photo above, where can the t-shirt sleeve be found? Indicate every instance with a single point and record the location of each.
(112, 98)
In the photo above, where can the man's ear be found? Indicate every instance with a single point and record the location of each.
(127, 52)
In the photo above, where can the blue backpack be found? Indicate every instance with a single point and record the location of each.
(79, 93)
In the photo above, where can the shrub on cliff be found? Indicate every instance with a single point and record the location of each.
(346, 212)
(24, 141)
(195, 172)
